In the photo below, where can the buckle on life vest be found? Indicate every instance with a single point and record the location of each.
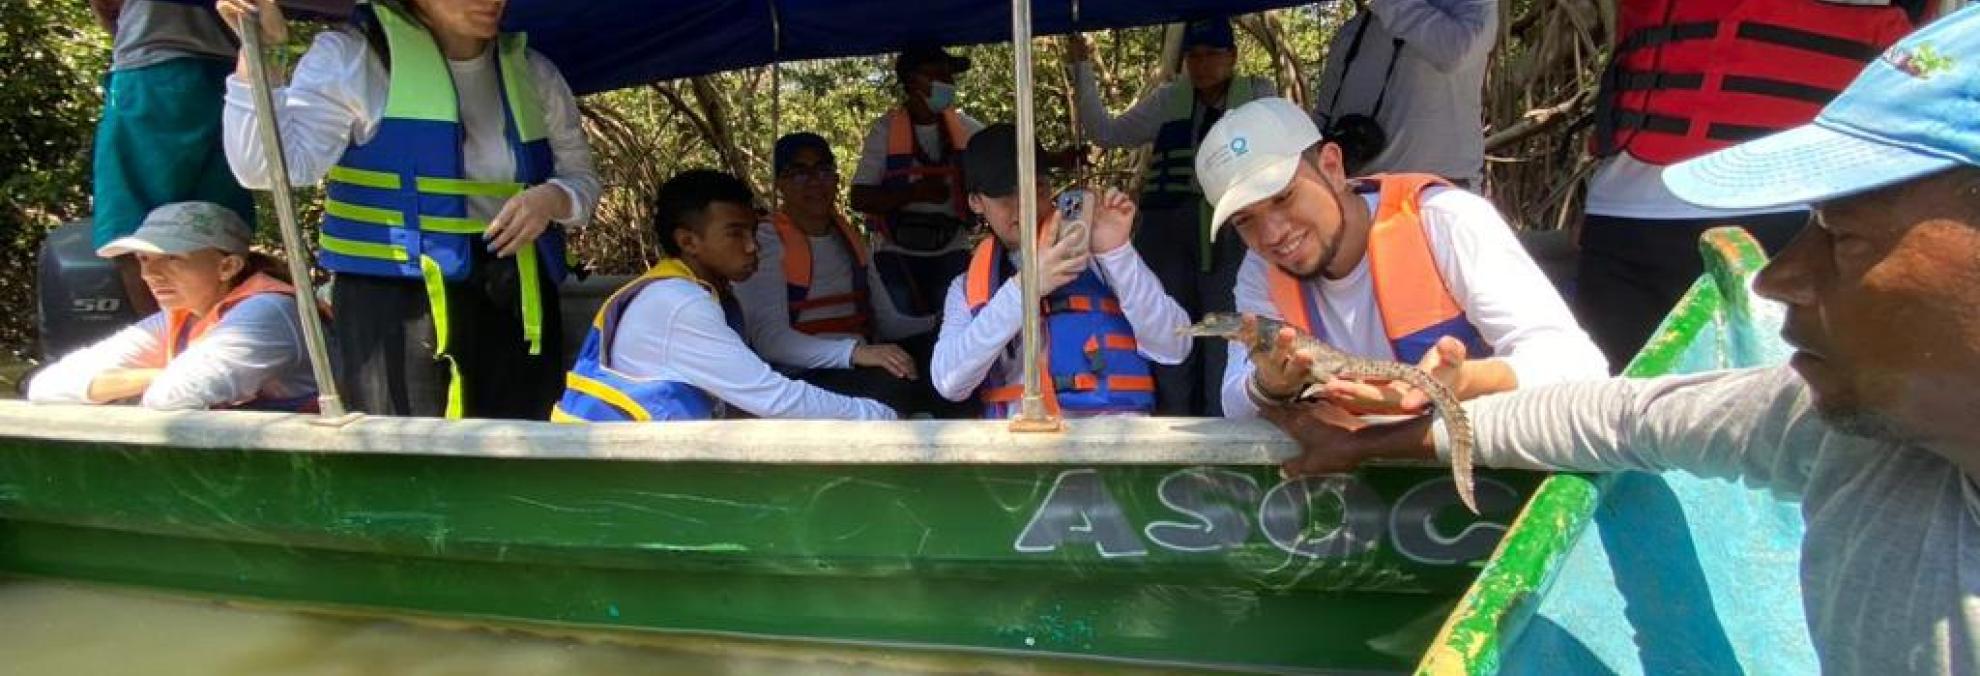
(1082, 304)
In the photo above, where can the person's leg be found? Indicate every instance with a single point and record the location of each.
(1620, 295)
(1166, 240)
(501, 378)
(383, 347)
(922, 349)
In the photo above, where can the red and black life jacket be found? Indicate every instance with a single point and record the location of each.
(1692, 76)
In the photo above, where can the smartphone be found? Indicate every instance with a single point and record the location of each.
(1075, 214)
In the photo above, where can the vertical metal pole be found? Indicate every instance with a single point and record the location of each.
(776, 99)
(328, 403)
(1032, 415)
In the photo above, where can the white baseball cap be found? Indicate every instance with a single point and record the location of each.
(1251, 154)
(183, 227)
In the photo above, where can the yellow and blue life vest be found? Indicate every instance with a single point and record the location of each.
(1171, 178)
(595, 392)
(397, 205)
(1091, 357)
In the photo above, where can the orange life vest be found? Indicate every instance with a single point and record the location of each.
(797, 280)
(1417, 308)
(906, 163)
(182, 329)
(1692, 76)
(1090, 361)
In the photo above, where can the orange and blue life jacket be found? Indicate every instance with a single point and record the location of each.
(1417, 308)
(182, 329)
(907, 163)
(797, 280)
(1091, 357)
(595, 392)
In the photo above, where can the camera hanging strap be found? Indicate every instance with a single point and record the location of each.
(1347, 68)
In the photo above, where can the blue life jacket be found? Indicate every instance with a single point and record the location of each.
(1091, 357)
(594, 392)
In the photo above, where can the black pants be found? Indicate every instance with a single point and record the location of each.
(1634, 270)
(1168, 240)
(384, 342)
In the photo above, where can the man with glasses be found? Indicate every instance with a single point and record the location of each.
(815, 305)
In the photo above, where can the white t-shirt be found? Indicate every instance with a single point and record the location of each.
(337, 96)
(1503, 293)
(766, 305)
(673, 330)
(254, 351)
(1626, 187)
(970, 346)
(873, 155)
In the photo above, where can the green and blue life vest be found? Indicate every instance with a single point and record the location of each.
(1171, 178)
(397, 204)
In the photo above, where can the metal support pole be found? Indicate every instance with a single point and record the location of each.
(1032, 416)
(328, 403)
(776, 99)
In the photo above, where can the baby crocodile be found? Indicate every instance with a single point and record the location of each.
(1330, 363)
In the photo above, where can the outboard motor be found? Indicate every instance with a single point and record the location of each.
(80, 297)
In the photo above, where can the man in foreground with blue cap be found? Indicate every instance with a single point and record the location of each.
(1871, 425)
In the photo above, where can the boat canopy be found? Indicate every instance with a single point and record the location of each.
(601, 45)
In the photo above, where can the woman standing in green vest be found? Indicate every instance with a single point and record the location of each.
(1175, 234)
(452, 161)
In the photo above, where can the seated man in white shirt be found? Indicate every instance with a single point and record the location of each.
(1382, 267)
(226, 334)
(816, 301)
(669, 345)
(1106, 316)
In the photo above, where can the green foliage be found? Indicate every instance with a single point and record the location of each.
(51, 93)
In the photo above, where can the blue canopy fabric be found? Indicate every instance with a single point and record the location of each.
(601, 45)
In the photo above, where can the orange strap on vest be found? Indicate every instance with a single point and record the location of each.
(798, 269)
(901, 142)
(1408, 287)
(181, 325)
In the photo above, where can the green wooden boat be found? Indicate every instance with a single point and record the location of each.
(1151, 541)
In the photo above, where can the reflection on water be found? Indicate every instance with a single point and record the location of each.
(60, 629)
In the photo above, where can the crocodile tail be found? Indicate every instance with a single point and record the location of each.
(1458, 424)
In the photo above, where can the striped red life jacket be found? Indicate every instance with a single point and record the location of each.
(1692, 76)
(797, 280)
(1417, 307)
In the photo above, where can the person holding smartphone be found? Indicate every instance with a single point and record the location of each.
(452, 161)
(1106, 316)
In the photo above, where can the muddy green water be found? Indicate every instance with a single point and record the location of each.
(61, 629)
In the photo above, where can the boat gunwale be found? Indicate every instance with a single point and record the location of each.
(1119, 440)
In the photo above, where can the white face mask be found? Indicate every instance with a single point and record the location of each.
(941, 95)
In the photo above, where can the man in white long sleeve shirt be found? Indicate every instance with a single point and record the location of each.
(812, 309)
(1174, 235)
(669, 345)
(1417, 68)
(1382, 268)
(226, 336)
(1106, 316)
(1871, 424)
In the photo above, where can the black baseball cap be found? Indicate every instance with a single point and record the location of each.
(913, 58)
(990, 161)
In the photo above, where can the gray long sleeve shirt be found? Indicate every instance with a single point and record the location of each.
(1890, 566)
